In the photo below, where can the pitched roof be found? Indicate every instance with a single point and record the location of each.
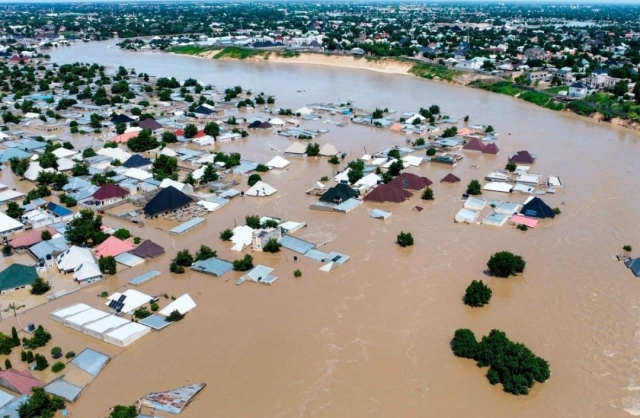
(260, 189)
(491, 148)
(166, 200)
(17, 275)
(522, 157)
(20, 382)
(125, 137)
(109, 191)
(203, 110)
(387, 193)
(136, 160)
(634, 265)
(150, 124)
(410, 181)
(450, 178)
(58, 210)
(338, 194)
(112, 246)
(148, 248)
(474, 144)
(536, 208)
(121, 119)
(30, 238)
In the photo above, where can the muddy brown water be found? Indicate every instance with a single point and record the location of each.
(372, 337)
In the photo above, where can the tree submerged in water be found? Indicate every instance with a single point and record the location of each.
(477, 294)
(505, 264)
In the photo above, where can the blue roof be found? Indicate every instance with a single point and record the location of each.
(336, 257)
(44, 248)
(63, 389)
(76, 183)
(185, 227)
(296, 244)
(315, 255)
(213, 266)
(13, 153)
(91, 361)
(144, 278)
(10, 410)
(156, 322)
(5, 398)
(136, 160)
(31, 145)
(58, 210)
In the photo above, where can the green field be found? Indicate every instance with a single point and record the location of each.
(239, 53)
(432, 71)
(188, 49)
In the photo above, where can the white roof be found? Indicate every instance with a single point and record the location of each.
(85, 317)
(10, 194)
(328, 150)
(412, 160)
(87, 270)
(115, 153)
(366, 157)
(63, 152)
(369, 180)
(106, 323)
(70, 310)
(466, 215)
(498, 186)
(529, 178)
(183, 305)
(132, 129)
(65, 164)
(138, 174)
(73, 257)
(242, 236)
(125, 331)
(35, 169)
(474, 203)
(198, 173)
(260, 189)
(303, 111)
(168, 152)
(210, 206)
(133, 300)
(203, 140)
(278, 162)
(207, 159)
(168, 182)
(296, 148)
(8, 224)
(344, 176)
(378, 161)
(276, 121)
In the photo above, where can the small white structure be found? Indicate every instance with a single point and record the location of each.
(277, 162)
(87, 271)
(132, 300)
(260, 189)
(80, 319)
(529, 179)
(103, 326)
(412, 160)
(498, 186)
(297, 148)
(203, 140)
(60, 314)
(73, 258)
(242, 236)
(473, 203)
(554, 181)
(183, 305)
(368, 181)
(466, 216)
(137, 174)
(8, 224)
(126, 334)
(115, 153)
(183, 187)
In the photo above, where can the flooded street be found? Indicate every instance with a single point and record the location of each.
(371, 338)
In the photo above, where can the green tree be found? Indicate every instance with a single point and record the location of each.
(40, 404)
(40, 287)
(313, 149)
(211, 129)
(14, 210)
(120, 411)
(122, 234)
(427, 194)
(511, 167)
(621, 88)
(56, 352)
(190, 130)
(144, 141)
(84, 230)
(174, 316)
(58, 366)
(19, 166)
(378, 114)
(431, 152)
(209, 174)
(165, 167)
(88, 153)
(464, 343)
(120, 128)
(169, 137)
(404, 239)
(272, 246)
(226, 235)
(243, 264)
(252, 221)
(205, 253)
(7, 364)
(450, 132)
(41, 362)
(474, 188)
(45, 235)
(107, 265)
(48, 160)
(14, 337)
(396, 167)
(253, 179)
(505, 264)
(477, 294)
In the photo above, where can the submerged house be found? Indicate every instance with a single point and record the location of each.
(167, 200)
(338, 194)
(386, 193)
(522, 157)
(536, 208)
(110, 193)
(410, 181)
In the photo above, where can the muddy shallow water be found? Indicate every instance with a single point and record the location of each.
(372, 337)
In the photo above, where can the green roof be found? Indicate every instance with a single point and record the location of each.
(17, 275)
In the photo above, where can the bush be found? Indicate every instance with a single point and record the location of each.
(56, 352)
(334, 159)
(183, 259)
(154, 307)
(297, 273)
(511, 167)
(174, 316)
(261, 168)
(627, 248)
(226, 235)
(272, 246)
(505, 264)
(58, 367)
(7, 249)
(243, 264)
(253, 179)
(40, 287)
(252, 221)
(40, 404)
(431, 152)
(404, 239)
(511, 364)
(137, 240)
(107, 264)
(46, 235)
(477, 294)
(120, 411)
(313, 149)
(142, 312)
(205, 253)
(41, 363)
(70, 354)
(174, 268)
(523, 227)
(7, 364)
(474, 188)
(427, 194)
(557, 211)
(122, 234)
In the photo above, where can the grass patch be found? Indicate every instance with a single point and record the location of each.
(511, 89)
(189, 49)
(431, 71)
(556, 90)
(288, 54)
(239, 53)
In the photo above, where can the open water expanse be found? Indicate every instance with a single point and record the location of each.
(371, 338)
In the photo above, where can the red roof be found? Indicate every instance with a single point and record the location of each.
(179, 132)
(200, 134)
(19, 382)
(109, 191)
(491, 149)
(450, 178)
(30, 238)
(388, 193)
(113, 246)
(410, 181)
(522, 157)
(474, 144)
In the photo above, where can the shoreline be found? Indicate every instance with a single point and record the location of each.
(388, 65)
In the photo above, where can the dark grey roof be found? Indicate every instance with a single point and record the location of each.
(536, 208)
(166, 200)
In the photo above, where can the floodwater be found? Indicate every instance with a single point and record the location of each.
(371, 338)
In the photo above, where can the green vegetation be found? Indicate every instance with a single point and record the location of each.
(313, 149)
(477, 294)
(297, 273)
(356, 171)
(84, 230)
(56, 352)
(522, 227)
(183, 259)
(253, 179)
(40, 405)
(107, 265)
(243, 264)
(272, 246)
(433, 71)
(557, 211)
(427, 194)
(334, 159)
(511, 364)
(14, 210)
(41, 363)
(404, 239)
(289, 54)
(70, 354)
(122, 234)
(120, 411)
(174, 316)
(58, 367)
(511, 167)
(142, 312)
(233, 52)
(189, 49)
(40, 339)
(205, 253)
(431, 152)
(627, 248)
(474, 188)
(226, 235)
(505, 264)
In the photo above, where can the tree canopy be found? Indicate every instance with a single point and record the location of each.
(505, 264)
(84, 230)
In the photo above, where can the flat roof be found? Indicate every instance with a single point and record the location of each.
(70, 310)
(63, 389)
(156, 322)
(91, 361)
(127, 330)
(145, 277)
(213, 266)
(187, 226)
(106, 323)
(297, 245)
(87, 316)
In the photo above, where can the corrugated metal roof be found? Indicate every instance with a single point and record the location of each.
(173, 401)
